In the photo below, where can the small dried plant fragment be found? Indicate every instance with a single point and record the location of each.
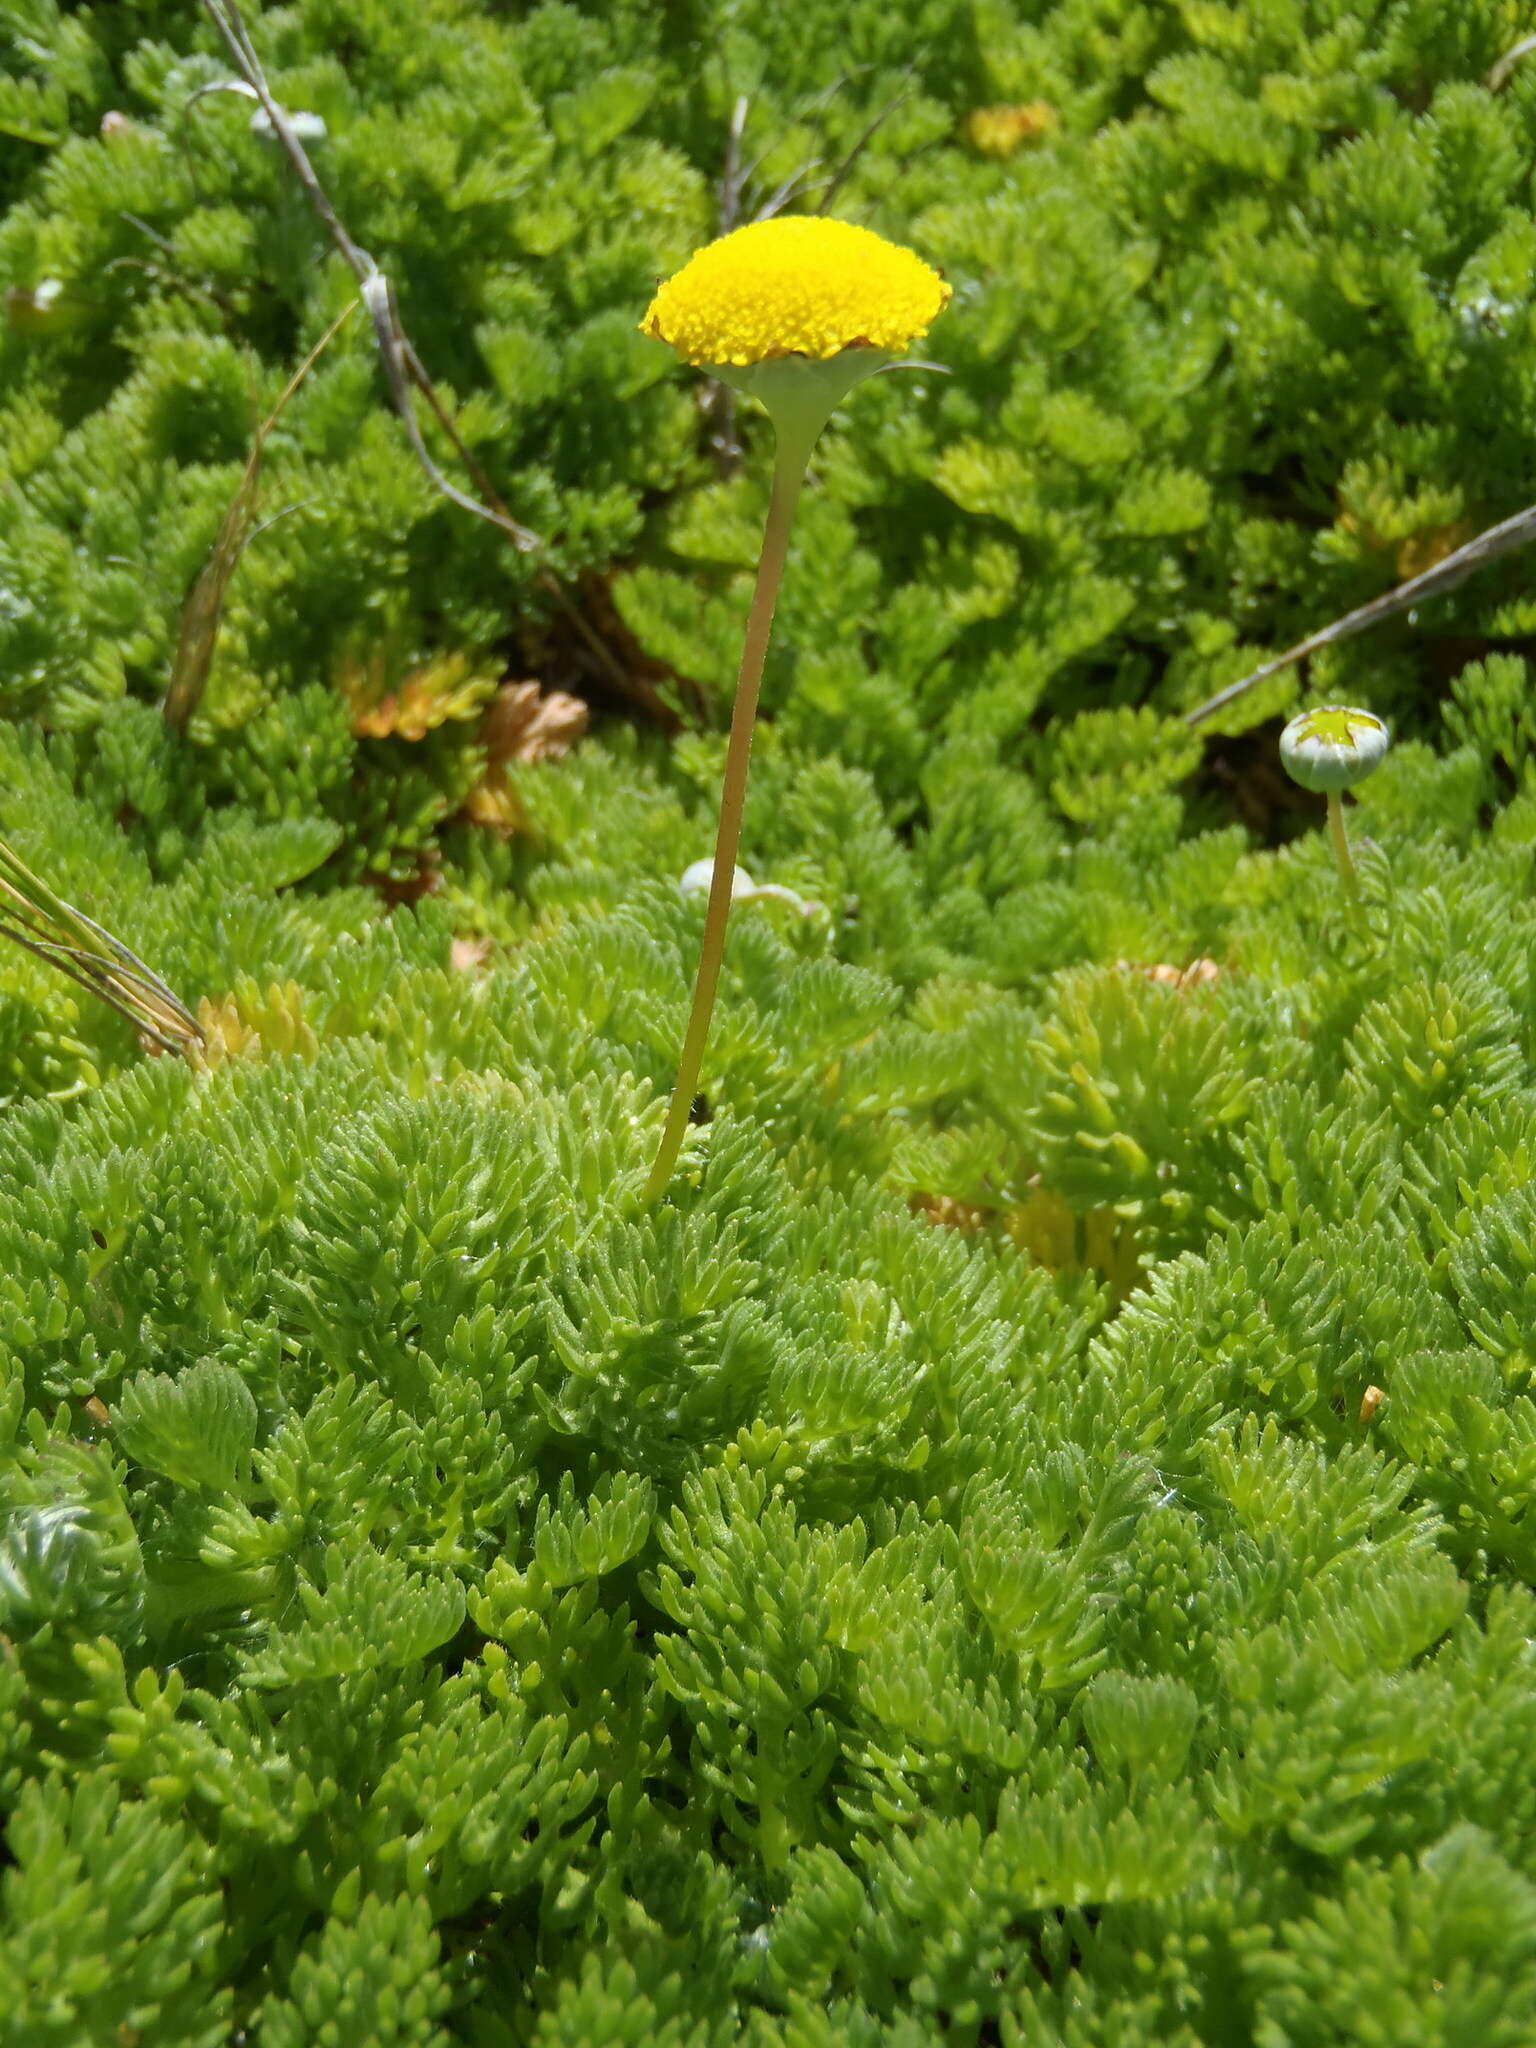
(999, 131)
(35, 917)
(523, 724)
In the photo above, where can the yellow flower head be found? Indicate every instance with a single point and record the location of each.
(796, 286)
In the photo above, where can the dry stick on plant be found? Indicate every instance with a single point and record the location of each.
(801, 180)
(794, 312)
(1516, 532)
(402, 366)
(1501, 73)
(204, 608)
(844, 170)
(34, 916)
(395, 353)
(168, 274)
(733, 173)
(735, 177)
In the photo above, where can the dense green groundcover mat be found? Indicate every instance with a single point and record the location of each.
(1032, 1540)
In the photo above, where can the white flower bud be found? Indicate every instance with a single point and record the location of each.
(1333, 747)
(307, 127)
(697, 879)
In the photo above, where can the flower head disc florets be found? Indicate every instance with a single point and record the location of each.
(796, 286)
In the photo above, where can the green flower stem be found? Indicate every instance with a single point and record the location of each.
(1348, 872)
(792, 451)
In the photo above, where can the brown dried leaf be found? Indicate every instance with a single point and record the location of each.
(949, 1214)
(468, 956)
(527, 723)
(204, 607)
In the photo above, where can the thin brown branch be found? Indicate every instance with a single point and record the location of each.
(402, 366)
(790, 188)
(204, 609)
(230, 24)
(378, 295)
(1499, 76)
(395, 352)
(841, 176)
(803, 110)
(1516, 532)
(732, 175)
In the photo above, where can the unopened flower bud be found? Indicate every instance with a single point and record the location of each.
(698, 878)
(1333, 747)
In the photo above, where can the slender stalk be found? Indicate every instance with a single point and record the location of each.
(1348, 872)
(792, 451)
(33, 916)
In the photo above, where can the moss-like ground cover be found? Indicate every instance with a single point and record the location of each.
(1031, 1540)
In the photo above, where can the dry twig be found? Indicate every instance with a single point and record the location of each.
(33, 916)
(205, 607)
(403, 368)
(1516, 532)
(1499, 76)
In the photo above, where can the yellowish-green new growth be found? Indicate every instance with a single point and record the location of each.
(798, 286)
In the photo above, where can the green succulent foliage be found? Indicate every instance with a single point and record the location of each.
(1240, 337)
(1031, 1540)
(196, 1429)
(84, 1856)
(371, 1974)
(487, 1608)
